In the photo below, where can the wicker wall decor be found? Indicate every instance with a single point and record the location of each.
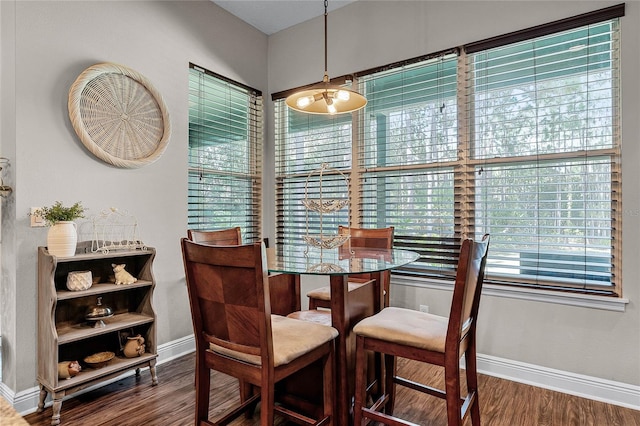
(119, 116)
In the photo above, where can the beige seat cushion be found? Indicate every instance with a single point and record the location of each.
(407, 327)
(292, 338)
(319, 316)
(324, 293)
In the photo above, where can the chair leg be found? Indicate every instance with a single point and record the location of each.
(267, 402)
(203, 385)
(452, 389)
(472, 382)
(389, 384)
(361, 381)
(312, 303)
(328, 391)
(246, 392)
(377, 376)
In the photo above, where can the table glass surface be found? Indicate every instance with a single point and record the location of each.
(344, 260)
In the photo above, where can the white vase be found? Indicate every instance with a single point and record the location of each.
(62, 239)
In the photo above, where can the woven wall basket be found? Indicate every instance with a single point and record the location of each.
(119, 116)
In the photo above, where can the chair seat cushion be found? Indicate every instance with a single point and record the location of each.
(324, 293)
(407, 327)
(292, 338)
(319, 316)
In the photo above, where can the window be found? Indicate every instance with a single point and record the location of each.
(517, 136)
(546, 156)
(225, 154)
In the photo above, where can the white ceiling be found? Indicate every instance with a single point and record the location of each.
(271, 16)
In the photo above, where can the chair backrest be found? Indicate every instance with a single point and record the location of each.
(467, 289)
(227, 288)
(369, 237)
(218, 237)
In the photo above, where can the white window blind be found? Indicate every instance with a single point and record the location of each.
(225, 154)
(545, 151)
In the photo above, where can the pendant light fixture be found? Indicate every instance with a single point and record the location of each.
(325, 98)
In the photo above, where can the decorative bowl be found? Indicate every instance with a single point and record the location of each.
(326, 241)
(79, 280)
(325, 206)
(99, 360)
(325, 268)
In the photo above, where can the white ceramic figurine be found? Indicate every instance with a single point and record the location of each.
(122, 276)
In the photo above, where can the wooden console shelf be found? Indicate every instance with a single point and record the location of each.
(65, 335)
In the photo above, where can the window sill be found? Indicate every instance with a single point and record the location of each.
(616, 304)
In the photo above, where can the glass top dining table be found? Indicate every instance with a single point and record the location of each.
(344, 260)
(347, 307)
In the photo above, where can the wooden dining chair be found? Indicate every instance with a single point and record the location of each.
(360, 237)
(432, 339)
(236, 334)
(223, 237)
(284, 290)
(219, 237)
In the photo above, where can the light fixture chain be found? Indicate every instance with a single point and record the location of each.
(326, 66)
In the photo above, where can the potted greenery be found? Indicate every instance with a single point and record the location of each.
(63, 235)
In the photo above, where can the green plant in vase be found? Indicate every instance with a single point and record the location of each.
(62, 237)
(59, 213)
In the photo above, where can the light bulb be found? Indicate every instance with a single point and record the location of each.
(304, 101)
(343, 95)
(331, 108)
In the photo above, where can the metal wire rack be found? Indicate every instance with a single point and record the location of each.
(322, 206)
(114, 229)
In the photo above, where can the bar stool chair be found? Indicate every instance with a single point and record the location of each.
(398, 332)
(237, 335)
(360, 237)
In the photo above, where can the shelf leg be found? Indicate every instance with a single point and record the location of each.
(152, 371)
(57, 406)
(43, 396)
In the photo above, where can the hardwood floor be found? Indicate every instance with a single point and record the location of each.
(133, 402)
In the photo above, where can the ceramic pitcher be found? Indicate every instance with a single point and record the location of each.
(134, 346)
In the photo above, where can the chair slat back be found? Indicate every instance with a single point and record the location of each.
(468, 286)
(369, 237)
(227, 288)
(218, 237)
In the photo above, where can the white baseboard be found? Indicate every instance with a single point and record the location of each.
(617, 393)
(595, 388)
(176, 349)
